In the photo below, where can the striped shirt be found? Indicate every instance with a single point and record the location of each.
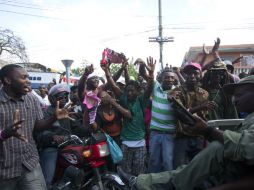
(13, 152)
(162, 112)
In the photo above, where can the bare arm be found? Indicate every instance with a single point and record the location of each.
(110, 80)
(237, 60)
(115, 77)
(82, 82)
(179, 75)
(205, 53)
(126, 113)
(150, 67)
(126, 73)
(118, 74)
(105, 97)
(215, 55)
(142, 71)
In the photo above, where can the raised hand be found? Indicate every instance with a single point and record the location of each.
(105, 67)
(150, 65)
(176, 70)
(62, 113)
(13, 130)
(216, 45)
(89, 69)
(125, 63)
(205, 51)
(237, 60)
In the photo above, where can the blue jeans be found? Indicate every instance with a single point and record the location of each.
(48, 158)
(29, 180)
(161, 150)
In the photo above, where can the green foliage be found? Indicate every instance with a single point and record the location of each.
(131, 69)
(80, 70)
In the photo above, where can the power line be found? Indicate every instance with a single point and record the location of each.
(28, 7)
(126, 35)
(184, 28)
(29, 4)
(27, 14)
(203, 22)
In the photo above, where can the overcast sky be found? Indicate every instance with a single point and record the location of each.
(80, 29)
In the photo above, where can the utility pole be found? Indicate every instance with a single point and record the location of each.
(160, 39)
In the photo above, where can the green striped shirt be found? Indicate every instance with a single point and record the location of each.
(162, 112)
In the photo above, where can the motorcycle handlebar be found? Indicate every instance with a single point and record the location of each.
(71, 138)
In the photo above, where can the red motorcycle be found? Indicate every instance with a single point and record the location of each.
(82, 164)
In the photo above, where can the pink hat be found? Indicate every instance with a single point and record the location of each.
(192, 65)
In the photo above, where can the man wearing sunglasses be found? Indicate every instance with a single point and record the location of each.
(49, 139)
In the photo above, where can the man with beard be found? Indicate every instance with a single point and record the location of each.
(228, 157)
(20, 114)
(195, 99)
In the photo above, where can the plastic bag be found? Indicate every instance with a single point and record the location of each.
(115, 151)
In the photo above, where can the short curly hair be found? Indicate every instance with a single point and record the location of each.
(7, 70)
(133, 83)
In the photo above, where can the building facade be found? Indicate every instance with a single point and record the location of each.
(227, 52)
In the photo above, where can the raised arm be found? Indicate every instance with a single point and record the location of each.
(110, 80)
(215, 53)
(115, 77)
(237, 60)
(118, 73)
(126, 72)
(105, 97)
(142, 68)
(150, 67)
(176, 70)
(205, 54)
(82, 81)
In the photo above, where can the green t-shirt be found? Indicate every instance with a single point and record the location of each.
(133, 129)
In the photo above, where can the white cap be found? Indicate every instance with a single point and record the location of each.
(121, 80)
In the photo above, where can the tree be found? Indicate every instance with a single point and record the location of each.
(12, 45)
(131, 69)
(80, 70)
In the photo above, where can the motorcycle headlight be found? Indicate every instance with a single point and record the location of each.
(87, 153)
(103, 149)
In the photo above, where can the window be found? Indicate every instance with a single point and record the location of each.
(38, 78)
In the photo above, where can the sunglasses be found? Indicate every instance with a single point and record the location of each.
(62, 96)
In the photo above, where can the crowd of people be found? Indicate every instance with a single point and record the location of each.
(160, 150)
